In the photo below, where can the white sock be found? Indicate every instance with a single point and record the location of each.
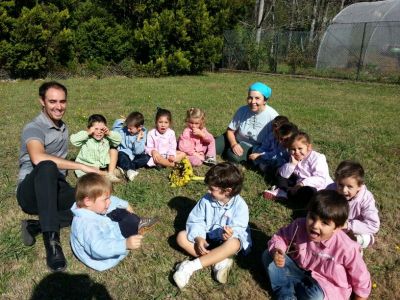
(196, 264)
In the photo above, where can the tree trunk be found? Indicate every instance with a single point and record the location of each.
(259, 21)
(291, 27)
(313, 21)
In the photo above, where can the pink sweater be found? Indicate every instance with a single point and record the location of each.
(363, 214)
(311, 171)
(336, 263)
(191, 144)
(165, 144)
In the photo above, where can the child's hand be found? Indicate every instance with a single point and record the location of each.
(279, 258)
(227, 234)
(254, 156)
(200, 246)
(198, 132)
(130, 209)
(90, 130)
(134, 242)
(140, 135)
(293, 160)
(171, 158)
(105, 130)
(156, 156)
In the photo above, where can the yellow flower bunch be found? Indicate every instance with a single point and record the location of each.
(182, 173)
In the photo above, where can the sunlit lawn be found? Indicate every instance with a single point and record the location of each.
(346, 120)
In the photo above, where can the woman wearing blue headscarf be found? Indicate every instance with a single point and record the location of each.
(250, 125)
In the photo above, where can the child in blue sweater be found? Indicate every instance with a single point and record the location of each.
(131, 154)
(104, 227)
(217, 227)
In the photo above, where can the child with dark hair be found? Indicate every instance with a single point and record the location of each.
(305, 173)
(312, 258)
(131, 154)
(98, 147)
(217, 227)
(273, 152)
(161, 142)
(363, 221)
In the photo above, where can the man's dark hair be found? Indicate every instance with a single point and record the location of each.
(51, 84)
(96, 118)
(225, 175)
(329, 205)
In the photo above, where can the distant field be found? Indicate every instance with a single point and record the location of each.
(345, 120)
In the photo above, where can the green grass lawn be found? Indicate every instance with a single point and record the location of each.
(345, 120)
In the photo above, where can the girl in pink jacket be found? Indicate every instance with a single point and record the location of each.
(363, 221)
(195, 141)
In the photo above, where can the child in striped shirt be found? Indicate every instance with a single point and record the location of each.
(97, 145)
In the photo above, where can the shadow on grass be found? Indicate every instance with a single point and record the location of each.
(183, 207)
(252, 261)
(68, 286)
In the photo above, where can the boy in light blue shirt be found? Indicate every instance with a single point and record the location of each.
(96, 239)
(131, 154)
(217, 227)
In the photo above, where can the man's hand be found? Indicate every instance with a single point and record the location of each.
(279, 258)
(171, 158)
(134, 242)
(200, 246)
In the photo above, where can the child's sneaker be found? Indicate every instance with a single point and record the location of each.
(183, 273)
(131, 174)
(274, 193)
(221, 270)
(119, 172)
(113, 178)
(145, 224)
(210, 161)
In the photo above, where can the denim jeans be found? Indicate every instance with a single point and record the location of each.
(126, 163)
(291, 282)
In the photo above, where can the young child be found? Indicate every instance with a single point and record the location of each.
(97, 145)
(363, 221)
(217, 227)
(306, 173)
(131, 155)
(273, 152)
(312, 258)
(96, 239)
(161, 142)
(195, 141)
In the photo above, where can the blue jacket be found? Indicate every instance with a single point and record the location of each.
(129, 144)
(209, 217)
(97, 240)
(274, 154)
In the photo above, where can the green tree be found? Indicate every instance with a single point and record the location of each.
(38, 41)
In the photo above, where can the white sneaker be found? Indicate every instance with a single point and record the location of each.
(221, 270)
(119, 172)
(131, 174)
(183, 273)
(273, 193)
(210, 161)
(113, 178)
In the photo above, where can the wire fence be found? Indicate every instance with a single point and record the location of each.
(361, 51)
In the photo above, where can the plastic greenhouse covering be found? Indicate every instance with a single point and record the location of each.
(364, 34)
